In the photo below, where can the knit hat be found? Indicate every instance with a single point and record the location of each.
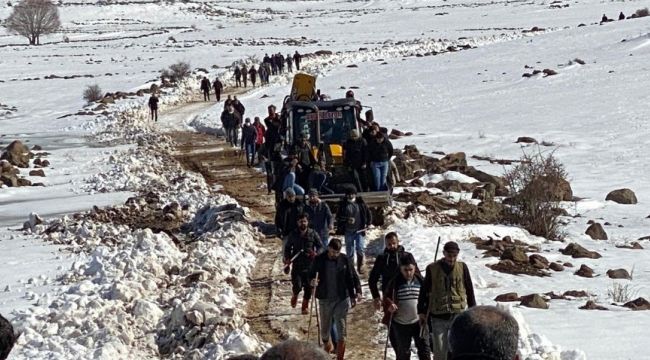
(451, 246)
(289, 192)
(313, 192)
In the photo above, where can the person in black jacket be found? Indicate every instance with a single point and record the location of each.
(237, 76)
(218, 88)
(228, 121)
(306, 161)
(205, 87)
(352, 220)
(7, 337)
(286, 214)
(337, 289)
(239, 107)
(380, 150)
(248, 140)
(304, 244)
(386, 267)
(153, 106)
(296, 60)
(355, 157)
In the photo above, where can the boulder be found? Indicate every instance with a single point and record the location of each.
(24, 182)
(512, 296)
(453, 161)
(556, 267)
(596, 232)
(638, 304)
(45, 163)
(577, 251)
(576, 293)
(585, 271)
(591, 305)
(38, 172)
(618, 274)
(484, 177)
(515, 254)
(107, 100)
(449, 185)
(9, 180)
(16, 154)
(538, 261)
(535, 301)
(633, 245)
(622, 196)
(526, 140)
(557, 189)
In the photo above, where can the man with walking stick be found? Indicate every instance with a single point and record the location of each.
(300, 251)
(337, 289)
(447, 291)
(401, 313)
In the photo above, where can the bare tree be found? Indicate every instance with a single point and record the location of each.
(33, 18)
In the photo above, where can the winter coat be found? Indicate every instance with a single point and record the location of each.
(217, 85)
(286, 216)
(253, 73)
(320, 216)
(153, 103)
(237, 73)
(306, 158)
(228, 120)
(385, 268)
(273, 133)
(310, 245)
(355, 153)
(357, 210)
(347, 278)
(296, 58)
(380, 152)
(248, 135)
(205, 84)
(239, 107)
(260, 133)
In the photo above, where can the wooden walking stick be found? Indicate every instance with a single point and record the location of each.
(390, 323)
(311, 312)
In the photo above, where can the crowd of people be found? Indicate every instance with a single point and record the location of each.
(436, 310)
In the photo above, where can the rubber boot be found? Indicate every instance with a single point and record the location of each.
(340, 350)
(294, 300)
(305, 306)
(360, 269)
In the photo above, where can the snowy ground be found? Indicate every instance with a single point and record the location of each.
(474, 101)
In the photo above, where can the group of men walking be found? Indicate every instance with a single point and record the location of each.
(271, 65)
(417, 307)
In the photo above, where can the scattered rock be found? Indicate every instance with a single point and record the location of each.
(585, 271)
(577, 251)
(512, 296)
(515, 254)
(538, 261)
(591, 305)
(558, 189)
(526, 140)
(622, 196)
(38, 172)
(16, 154)
(618, 274)
(638, 304)
(633, 245)
(556, 267)
(549, 72)
(535, 301)
(576, 293)
(596, 232)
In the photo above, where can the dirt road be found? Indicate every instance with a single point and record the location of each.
(269, 313)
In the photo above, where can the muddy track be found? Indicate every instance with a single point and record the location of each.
(268, 311)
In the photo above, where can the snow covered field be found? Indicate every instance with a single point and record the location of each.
(474, 101)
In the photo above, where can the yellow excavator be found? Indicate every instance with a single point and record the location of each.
(327, 125)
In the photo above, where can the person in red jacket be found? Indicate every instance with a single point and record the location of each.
(261, 130)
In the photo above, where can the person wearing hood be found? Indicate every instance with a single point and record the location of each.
(320, 216)
(401, 311)
(386, 267)
(304, 244)
(205, 88)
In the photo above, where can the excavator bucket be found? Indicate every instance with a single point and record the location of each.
(303, 87)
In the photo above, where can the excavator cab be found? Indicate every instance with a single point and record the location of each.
(327, 126)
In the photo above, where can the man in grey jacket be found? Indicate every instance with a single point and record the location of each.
(320, 216)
